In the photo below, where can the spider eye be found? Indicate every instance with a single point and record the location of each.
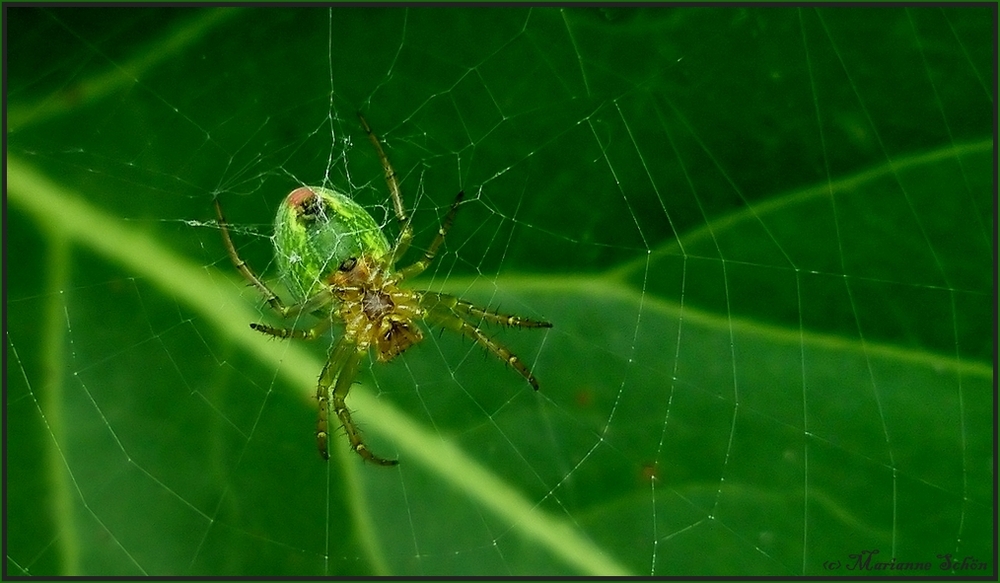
(348, 264)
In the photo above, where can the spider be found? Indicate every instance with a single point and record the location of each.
(337, 265)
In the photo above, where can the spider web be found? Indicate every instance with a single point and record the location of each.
(763, 237)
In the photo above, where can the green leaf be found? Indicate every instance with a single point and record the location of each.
(763, 236)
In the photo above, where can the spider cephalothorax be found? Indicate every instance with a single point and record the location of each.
(374, 309)
(339, 267)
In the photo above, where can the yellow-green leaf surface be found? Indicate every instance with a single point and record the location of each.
(764, 238)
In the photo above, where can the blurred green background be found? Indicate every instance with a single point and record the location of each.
(764, 237)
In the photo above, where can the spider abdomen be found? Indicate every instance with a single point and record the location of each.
(315, 230)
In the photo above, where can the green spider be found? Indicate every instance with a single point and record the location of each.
(338, 266)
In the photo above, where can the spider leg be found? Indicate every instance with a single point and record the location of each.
(432, 299)
(421, 265)
(286, 333)
(392, 181)
(307, 306)
(334, 383)
(242, 266)
(448, 318)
